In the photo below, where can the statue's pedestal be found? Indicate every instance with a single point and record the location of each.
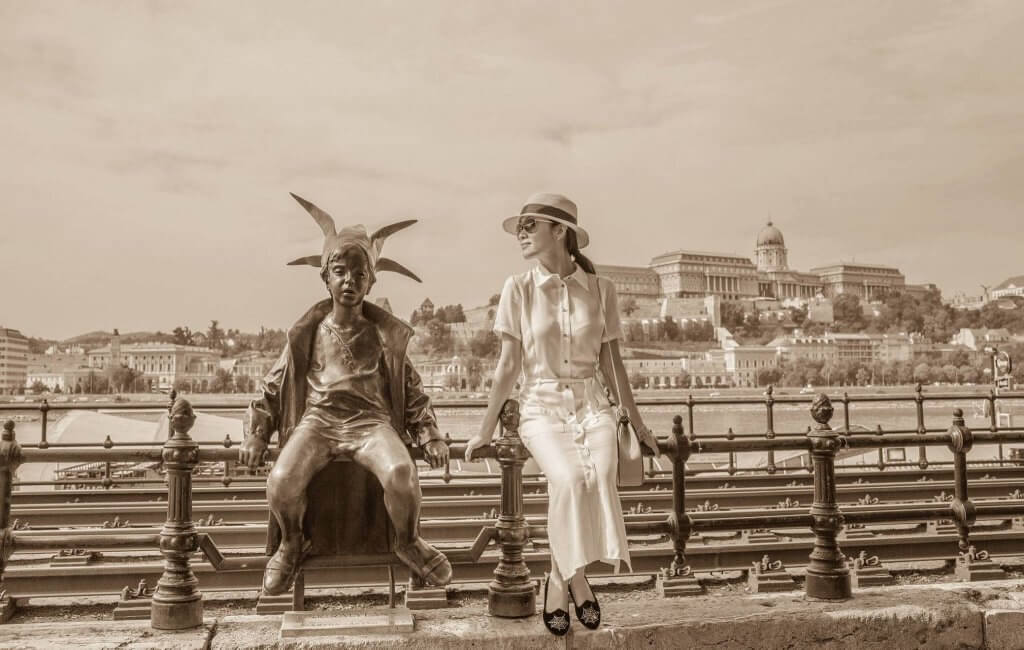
(374, 621)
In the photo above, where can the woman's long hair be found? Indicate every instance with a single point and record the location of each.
(573, 245)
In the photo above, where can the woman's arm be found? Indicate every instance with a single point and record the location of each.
(612, 367)
(506, 372)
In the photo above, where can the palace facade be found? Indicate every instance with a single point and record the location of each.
(696, 274)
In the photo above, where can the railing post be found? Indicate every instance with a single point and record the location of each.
(511, 594)
(177, 602)
(677, 579)
(10, 458)
(827, 575)
(922, 450)
(769, 404)
(971, 564)
(964, 513)
(44, 410)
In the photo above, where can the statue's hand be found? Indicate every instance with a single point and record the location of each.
(435, 452)
(252, 452)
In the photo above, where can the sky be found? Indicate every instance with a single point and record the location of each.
(149, 148)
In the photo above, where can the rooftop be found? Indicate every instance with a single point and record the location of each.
(1010, 283)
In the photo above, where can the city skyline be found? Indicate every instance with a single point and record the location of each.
(147, 180)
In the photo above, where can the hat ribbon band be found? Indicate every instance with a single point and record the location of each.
(540, 208)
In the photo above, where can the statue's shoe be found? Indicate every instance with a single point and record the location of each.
(426, 562)
(282, 568)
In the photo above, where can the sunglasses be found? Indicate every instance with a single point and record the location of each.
(529, 225)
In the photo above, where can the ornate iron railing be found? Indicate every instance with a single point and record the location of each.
(177, 602)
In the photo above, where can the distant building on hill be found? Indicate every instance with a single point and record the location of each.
(696, 274)
(733, 366)
(978, 338)
(162, 365)
(13, 360)
(833, 348)
(867, 281)
(1009, 287)
(58, 372)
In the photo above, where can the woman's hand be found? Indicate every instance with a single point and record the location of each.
(476, 442)
(647, 438)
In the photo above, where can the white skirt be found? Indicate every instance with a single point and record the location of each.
(569, 428)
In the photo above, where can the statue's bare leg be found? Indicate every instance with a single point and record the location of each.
(384, 454)
(305, 454)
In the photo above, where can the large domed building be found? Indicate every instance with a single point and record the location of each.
(771, 249)
(698, 274)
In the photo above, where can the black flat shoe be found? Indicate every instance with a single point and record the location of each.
(557, 621)
(589, 613)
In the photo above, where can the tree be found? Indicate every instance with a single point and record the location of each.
(244, 384)
(636, 380)
(474, 372)
(223, 381)
(629, 306)
(485, 344)
(683, 379)
(847, 312)
(863, 376)
(439, 338)
(732, 316)
(494, 300)
(182, 335)
(215, 336)
(950, 373)
(769, 376)
(272, 340)
(122, 378)
(752, 325)
(39, 387)
(670, 329)
(922, 372)
(969, 374)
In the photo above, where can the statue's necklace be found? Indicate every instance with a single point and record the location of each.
(346, 350)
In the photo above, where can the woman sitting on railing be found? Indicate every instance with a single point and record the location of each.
(559, 323)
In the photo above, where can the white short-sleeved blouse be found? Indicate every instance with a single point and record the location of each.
(558, 322)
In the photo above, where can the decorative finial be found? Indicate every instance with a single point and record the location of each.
(182, 416)
(821, 409)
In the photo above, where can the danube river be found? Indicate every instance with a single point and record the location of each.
(462, 421)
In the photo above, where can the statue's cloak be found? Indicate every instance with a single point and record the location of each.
(346, 513)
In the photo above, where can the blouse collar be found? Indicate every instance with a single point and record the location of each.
(542, 277)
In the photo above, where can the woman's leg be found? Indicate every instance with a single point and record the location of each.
(552, 448)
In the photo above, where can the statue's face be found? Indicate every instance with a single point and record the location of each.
(348, 277)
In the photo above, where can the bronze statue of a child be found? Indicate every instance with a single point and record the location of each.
(344, 388)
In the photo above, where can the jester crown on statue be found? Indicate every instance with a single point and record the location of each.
(335, 240)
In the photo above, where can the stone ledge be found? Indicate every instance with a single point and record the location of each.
(933, 616)
(878, 618)
(1004, 629)
(82, 635)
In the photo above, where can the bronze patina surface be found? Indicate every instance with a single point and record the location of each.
(344, 389)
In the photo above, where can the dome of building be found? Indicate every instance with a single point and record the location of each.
(770, 235)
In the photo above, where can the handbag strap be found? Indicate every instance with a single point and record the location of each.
(595, 287)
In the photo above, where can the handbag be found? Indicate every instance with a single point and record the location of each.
(630, 457)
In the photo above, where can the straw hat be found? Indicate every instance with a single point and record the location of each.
(552, 207)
